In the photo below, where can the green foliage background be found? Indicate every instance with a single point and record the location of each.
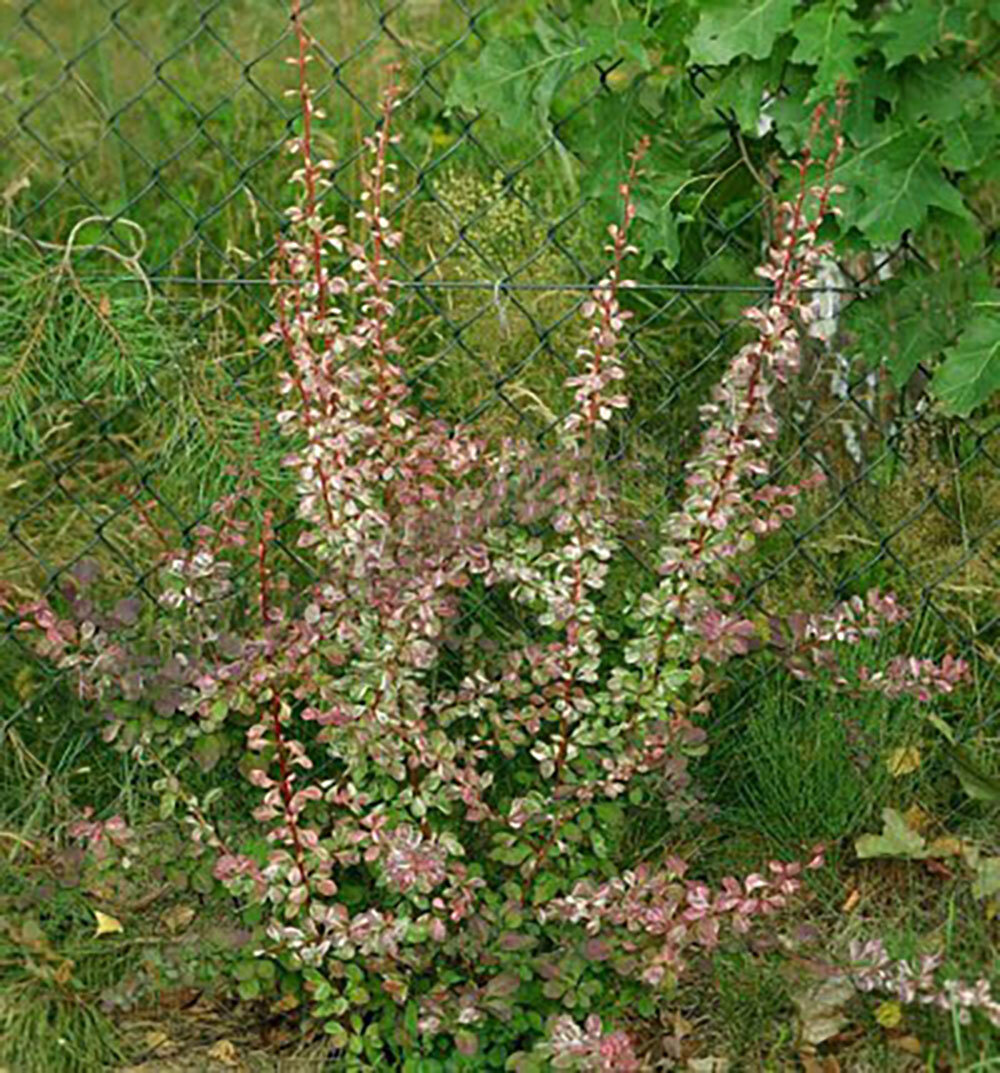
(922, 128)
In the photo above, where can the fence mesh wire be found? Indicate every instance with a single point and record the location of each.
(143, 167)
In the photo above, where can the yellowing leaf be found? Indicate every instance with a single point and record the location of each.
(106, 925)
(916, 819)
(987, 883)
(13, 188)
(908, 1044)
(177, 917)
(896, 840)
(946, 846)
(902, 762)
(157, 1040)
(24, 683)
(224, 1051)
(812, 1063)
(889, 1014)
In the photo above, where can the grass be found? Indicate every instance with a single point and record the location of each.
(42, 1030)
(171, 121)
(108, 400)
(165, 115)
(63, 988)
(51, 967)
(787, 766)
(99, 393)
(791, 766)
(800, 776)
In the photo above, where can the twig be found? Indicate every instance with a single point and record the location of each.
(742, 145)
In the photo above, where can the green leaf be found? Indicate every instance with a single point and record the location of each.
(168, 803)
(599, 844)
(892, 182)
(970, 373)
(660, 237)
(791, 114)
(516, 854)
(969, 140)
(202, 879)
(208, 751)
(613, 126)
(896, 840)
(245, 970)
(740, 89)
(875, 86)
(941, 727)
(865, 106)
(411, 1018)
(917, 29)
(940, 90)
(610, 813)
(978, 784)
(522, 1062)
(514, 80)
(337, 1033)
(830, 40)
(625, 40)
(902, 325)
(731, 28)
(545, 887)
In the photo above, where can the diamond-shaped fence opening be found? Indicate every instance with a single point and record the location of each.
(164, 124)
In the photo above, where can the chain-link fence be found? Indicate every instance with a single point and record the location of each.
(143, 186)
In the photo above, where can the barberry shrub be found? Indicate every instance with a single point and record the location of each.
(442, 804)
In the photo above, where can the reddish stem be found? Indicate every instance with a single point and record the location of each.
(290, 346)
(787, 281)
(305, 97)
(285, 788)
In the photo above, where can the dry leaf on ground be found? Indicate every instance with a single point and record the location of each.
(224, 1051)
(177, 918)
(820, 1008)
(909, 1044)
(812, 1063)
(158, 1041)
(851, 901)
(901, 762)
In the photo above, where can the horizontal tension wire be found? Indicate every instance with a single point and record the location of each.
(490, 285)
